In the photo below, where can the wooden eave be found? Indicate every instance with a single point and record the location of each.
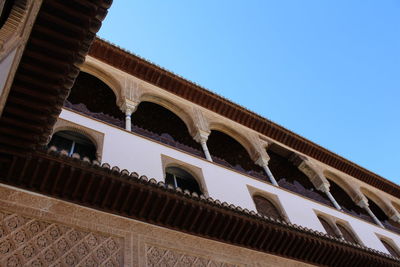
(172, 83)
(118, 192)
(60, 39)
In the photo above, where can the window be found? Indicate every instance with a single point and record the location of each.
(178, 177)
(391, 248)
(267, 208)
(74, 143)
(347, 234)
(330, 230)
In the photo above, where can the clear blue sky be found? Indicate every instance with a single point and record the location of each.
(327, 70)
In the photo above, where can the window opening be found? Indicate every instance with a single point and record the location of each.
(267, 208)
(347, 234)
(394, 252)
(73, 143)
(178, 177)
(328, 227)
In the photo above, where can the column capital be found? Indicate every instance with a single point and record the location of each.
(262, 160)
(361, 201)
(312, 171)
(129, 106)
(395, 217)
(324, 187)
(201, 136)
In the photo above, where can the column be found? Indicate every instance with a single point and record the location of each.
(363, 203)
(128, 123)
(325, 188)
(263, 162)
(128, 107)
(202, 137)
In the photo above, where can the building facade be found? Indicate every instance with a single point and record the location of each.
(110, 160)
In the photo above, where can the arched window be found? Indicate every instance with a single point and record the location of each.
(346, 203)
(159, 123)
(91, 96)
(178, 177)
(73, 143)
(267, 208)
(227, 151)
(328, 227)
(290, 177)
(347, 234)
(391, 248)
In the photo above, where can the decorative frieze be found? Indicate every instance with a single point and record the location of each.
(157, 256)
(26, 241)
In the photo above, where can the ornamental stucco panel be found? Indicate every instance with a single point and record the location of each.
(26, 241)
(159, 256)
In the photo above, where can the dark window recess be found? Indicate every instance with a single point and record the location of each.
(73, 143)
(394, 252)
(267, 208)
(96, 96)
(346, 203)
(328, 227)
(5, 9)
(163, 123)
(347, 234)
(290, 177)
(227, 151)
(182, 179)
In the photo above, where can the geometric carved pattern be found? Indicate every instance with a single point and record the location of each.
(26, 241)
(157, 256)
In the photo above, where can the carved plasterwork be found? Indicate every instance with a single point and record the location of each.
(158, 256)
(313, 172)
(132, 90)
(96, 137)
(200, 121)
(26, 241)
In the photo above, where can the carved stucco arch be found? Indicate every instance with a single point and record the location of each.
(245, 142)
(95, 137)
(107, 77)
(378, 200)
(352, 191)
(174, 107)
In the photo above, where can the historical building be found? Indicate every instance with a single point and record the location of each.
(109, 160)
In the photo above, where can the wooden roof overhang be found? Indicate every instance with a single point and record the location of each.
(60, 39)
(124, 194)
(170, 82)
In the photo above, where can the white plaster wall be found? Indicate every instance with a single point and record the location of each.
(135, 153)
(5, 67)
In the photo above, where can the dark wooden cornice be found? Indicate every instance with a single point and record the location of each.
(126, 194)
(170, 82)
(60, 39)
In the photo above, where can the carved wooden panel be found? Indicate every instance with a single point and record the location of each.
(157, 256)
(27, 241)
